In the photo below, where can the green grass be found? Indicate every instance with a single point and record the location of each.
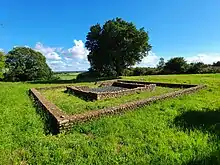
(183, 130)
(73, 105)
(67, 76)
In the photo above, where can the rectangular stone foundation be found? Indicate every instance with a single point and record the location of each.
(63, 122)
(126, 88)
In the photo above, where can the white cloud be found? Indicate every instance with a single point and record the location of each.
(150, 61)
(78, 50)
(1, 50)
(67, 59)
(75, 58)
(207, 58)
(56, 62)
(49, 52)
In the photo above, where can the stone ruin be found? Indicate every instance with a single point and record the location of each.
(58, 121)
(109, 90)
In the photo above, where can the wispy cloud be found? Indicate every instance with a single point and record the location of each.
(49, 52)
(207, 58)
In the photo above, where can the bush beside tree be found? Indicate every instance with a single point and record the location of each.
(176, 65)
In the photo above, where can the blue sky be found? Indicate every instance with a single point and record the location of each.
(188, 28)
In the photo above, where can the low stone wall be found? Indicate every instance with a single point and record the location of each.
(60, 121)
(51, 111)
(71, 120)
(105, 95)
(88, 95)
(107, 83)
(170, 85)
(127, 85)
(53, 87)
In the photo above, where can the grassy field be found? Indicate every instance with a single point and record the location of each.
(72, 104)
(183, 130)
(67, 76)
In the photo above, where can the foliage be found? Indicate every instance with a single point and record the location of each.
(192, 68)
(196, 67)
(115, 46)
(138, 71)
(88, 75)
(2, 64)
(176, 65)
(161, 64)
(25, 64)
(92, 75)
(148, 135)
(216, 63)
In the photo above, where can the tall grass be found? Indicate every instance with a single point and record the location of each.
(163, 133)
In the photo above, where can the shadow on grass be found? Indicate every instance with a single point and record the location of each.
(53, 82)
(202, 120)
(72, 81)
(206, 121)
(213, 159)
(49, 122)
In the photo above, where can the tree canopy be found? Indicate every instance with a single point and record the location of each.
(216, 63)
(196, 67)
(176, 65)
(161, 64)
(2, 64)
(115, 46)
(25, 64)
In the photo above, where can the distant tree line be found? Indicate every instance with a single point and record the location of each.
(177, 65)
(113, 48)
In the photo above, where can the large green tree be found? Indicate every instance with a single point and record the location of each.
(2, 64)
(176, 65)
(25, 64)
(115, 46)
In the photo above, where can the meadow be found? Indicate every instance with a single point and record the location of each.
(184, 130)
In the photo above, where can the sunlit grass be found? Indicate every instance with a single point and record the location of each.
(148, 135)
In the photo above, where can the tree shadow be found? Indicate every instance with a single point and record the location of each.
(48, 121)
(58, 81)
(213, 159)
(53, 81)
(202, 120)
(206, 121)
